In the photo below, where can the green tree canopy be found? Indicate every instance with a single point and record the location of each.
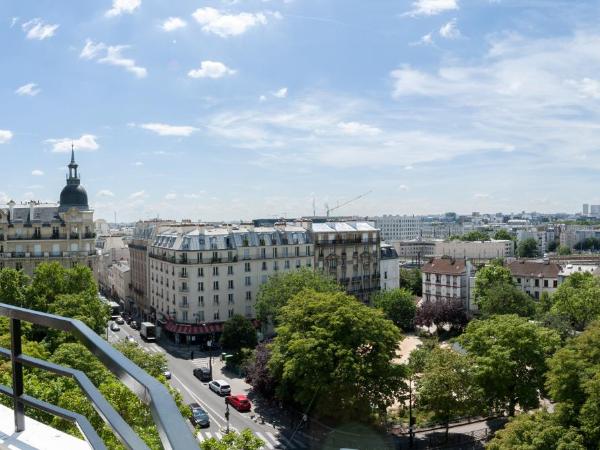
(475, 235)
(538, 431)
(331, 349)
(563, 250)
(527, 248)
(509, 354)
(447, 386)
(503, 235)
(280, 288)
(578, 299)
(503, 298)
(412, 280)
(399, 306)
(12, 287)
(245, 440)
(238, 333)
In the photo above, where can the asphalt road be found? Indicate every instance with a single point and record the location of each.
(195, 391)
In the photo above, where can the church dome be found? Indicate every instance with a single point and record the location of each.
(73, 194)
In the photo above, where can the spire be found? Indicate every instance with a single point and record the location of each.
(72, 153)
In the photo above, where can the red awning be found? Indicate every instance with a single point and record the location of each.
(187, 328)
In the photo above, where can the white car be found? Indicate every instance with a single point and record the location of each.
(130, 339)
(114, 327)
(220, 387)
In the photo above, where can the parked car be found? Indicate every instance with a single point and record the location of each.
(202, 373)
(130, 339)
(239, 402)
(134, 325)
(114, 326)
(167, 373)
(199, 416)
(119, 320)
(220, 387)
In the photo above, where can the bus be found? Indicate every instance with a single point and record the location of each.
(115, 310)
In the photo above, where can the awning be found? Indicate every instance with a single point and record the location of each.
(187, 328)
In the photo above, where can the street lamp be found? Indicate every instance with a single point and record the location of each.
(227, 414)
(209, 345)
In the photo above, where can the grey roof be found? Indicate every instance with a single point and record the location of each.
(44, 213)
(222, 238)
(337, 227)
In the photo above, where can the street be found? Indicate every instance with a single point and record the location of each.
(195, 391)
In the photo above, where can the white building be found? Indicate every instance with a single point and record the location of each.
(200, 276)
(119, 281)
(447, 279)
(398, 228)
(389, 268)
(535, 277)
(539, 236)
(415, 250)
(477, 250)
(574, 267)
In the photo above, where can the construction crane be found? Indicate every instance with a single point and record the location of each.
(329, 210)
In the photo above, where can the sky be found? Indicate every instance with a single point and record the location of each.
(238, 109)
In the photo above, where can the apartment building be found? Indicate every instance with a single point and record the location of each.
(416, 250)
(447, 279)
(398, 228)
(200, 276)
(349, 252)
(535, 277)
(389, 268)
(119, 283)
(475, 250)
(34, 232)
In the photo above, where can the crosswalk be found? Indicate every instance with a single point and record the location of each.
(271, 441)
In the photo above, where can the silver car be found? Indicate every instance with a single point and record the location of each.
(220, 387)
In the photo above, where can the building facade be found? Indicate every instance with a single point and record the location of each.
(389, 268)
(398, 228)
(350, 253)
(535, 277)
(446, 279)
(475, 250)
(200, 276)
(35, 232)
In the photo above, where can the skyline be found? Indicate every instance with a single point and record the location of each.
(222, 110)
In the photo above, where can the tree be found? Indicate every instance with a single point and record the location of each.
(412, 280)
(280, 288)
(153, 363)
(527, 248)
(503, 298)
(475, 236)
(489, 276)
(509, 355)
(553, 245)
(538, 431)
(257, 371)
(578, 299)
(447, 386)
(399, 306)
(331, 349)
(238, 333)
(441, 313)
(563, 250)
(12, 287)
(503, 235)
(245, 440)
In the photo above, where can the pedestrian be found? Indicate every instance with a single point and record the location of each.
(192, 354)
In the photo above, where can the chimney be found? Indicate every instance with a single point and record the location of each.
(11, 206)
(31, 205)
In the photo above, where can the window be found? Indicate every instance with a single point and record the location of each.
(247, 281)
(247, 267)
(248, 295)
(263, 253)
(200, 316)
(216, 315)
(554, 283)
(229, 270)
(230, 284)
(184, 316)
(246, 253)
(230, 313)
(546, 283)
(297, 251)
(216, 285)
(230, 299)
(518, 280)
(299, 263)
(275, 265)
(201, 300)
(215, 271)
(385, 275)
(200, 285)
(286, 265)
(184, 301)
(537, 283)
(307, 250)
(200, 271)
(286, 252)
(248, 311)
(216, 299)
(263, 279)
(264, 265)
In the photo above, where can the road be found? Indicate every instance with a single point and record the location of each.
(195, 391)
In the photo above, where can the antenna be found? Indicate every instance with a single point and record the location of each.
(314, 208)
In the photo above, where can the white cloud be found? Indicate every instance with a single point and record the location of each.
(211, 69)
(138, 163)
(262, 98)
(111, 55)
(105, 193)
(30, 89)
(37, 29)
(87, 142)
(137, 195)
(37, 173)
(431, 7)
(403, 188)
(191, 196)
(425, 40)
(481, 195)
(586, 87)
(281, 93)
(5, 136)
(13, 21)
(4, 198)
(224, 25)
(173, 23)
(170, 196)
(357, 128)
(163, 129)
(450, 30)
(123, 6)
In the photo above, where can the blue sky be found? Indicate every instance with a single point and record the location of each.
(223, 110)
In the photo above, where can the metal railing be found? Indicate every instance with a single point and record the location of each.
(172, 428)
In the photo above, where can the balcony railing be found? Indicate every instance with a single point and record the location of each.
(172, 428)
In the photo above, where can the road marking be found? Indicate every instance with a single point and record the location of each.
(195, 397)
(200, 437)
(286, 442)
(266, 441)
(272, 436)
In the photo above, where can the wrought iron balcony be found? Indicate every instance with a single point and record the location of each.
(172, 428)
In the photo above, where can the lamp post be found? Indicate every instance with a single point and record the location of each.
(209, 345)
(410, 416)
(227, 415)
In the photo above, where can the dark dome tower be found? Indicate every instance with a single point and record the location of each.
(73, 194)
